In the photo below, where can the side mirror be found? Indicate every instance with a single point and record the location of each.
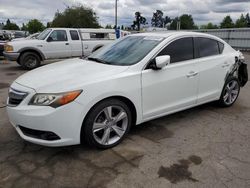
(162, 61)
(49, 39)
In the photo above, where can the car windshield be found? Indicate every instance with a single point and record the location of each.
(44, 34)
(127, 51)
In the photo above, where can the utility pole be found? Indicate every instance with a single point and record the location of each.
(116, 14)
(178, 27)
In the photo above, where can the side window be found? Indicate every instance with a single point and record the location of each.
(74, 35)
(207, 47)
(179, 50)
(99, 36)
(58, 35)
(221, 47)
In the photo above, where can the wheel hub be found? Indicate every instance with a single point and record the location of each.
(231, 92)
(110, 125)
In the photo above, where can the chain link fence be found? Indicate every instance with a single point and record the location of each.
(238, 38)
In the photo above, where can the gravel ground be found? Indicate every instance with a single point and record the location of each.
(204, 146)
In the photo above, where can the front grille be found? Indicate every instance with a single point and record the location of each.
(16, 97)
(44, 135)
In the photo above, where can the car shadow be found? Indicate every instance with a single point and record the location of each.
(151, 130)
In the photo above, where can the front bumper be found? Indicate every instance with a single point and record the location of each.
(65, 121)
(12, 56)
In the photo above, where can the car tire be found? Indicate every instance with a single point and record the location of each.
(18, 62)
(30, 60)
(230, 92)
(107, 123)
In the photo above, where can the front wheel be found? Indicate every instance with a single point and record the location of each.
(230, 92)
(107, 124)
(30, 60)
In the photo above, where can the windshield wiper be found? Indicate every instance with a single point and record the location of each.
(97, 60)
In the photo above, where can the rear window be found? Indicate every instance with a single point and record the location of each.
(74, 35)
(207, 47)
(221, 47)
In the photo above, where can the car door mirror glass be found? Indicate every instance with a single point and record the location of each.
(162, 61)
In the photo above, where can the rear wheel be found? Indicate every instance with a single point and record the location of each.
(107, 124)
(30, 60)
(230, 92)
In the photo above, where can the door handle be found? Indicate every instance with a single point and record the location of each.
(192, 74)
(225, 65)
(67, 43)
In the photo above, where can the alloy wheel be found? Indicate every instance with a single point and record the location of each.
(110, 125)
(231, 92)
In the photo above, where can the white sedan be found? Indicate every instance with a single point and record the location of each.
(136, 79)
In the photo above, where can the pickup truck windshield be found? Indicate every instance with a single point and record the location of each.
(127, 51)
(44, 34)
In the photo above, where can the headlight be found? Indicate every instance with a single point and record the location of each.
(8, 48)
(54, 100)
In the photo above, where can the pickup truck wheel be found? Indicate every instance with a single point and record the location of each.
(30, 60)
(107, 124)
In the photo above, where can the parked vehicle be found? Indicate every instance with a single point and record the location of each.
(32, 36)
(138, 78)
(4, 37)
(19, 34)
(2, 43)
(56, 43)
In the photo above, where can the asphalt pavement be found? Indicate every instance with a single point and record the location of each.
(206, 146)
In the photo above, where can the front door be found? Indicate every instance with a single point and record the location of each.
(57, 45)
(175, 86)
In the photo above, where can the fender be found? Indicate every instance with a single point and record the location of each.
(238, 70)
(97, 47)
(33, 49)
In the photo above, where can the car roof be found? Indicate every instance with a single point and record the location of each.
(176, 34)
(167, 34)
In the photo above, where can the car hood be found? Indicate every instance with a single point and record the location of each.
(24, 42)
(68, 75)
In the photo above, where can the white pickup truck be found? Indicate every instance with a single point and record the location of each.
(57, 43)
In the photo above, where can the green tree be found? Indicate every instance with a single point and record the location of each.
(209, 26)
(186, 21)
(157, 19)
(108, 26)
(48, 25)
(241, 22)
(10, 26)
(139, 20)
(227, 22)
(248, 19)
(35, 26)
(24, 27)
(76, 17)
(167, 20)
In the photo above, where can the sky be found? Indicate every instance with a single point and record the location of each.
(203, 11)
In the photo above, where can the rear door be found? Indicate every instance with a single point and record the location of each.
(212, 67)
(173, 87)
(57, 45)
(75, 44)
